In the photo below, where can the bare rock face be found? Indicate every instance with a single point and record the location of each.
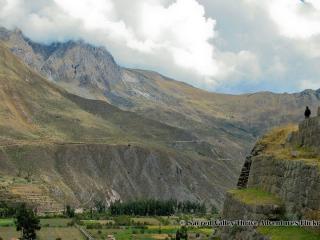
(81, 63)
(81, 173)
(80, 67)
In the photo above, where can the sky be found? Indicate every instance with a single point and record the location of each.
(218, 45)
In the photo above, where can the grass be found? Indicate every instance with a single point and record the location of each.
(6, 222)
(275, 143)
(288, 233)
(69, 233)
(150, 232)
(102, 222)
(52, 233)
(55, 222)
(255, 196)
(146, 220)
(8, 232)
(277, 136)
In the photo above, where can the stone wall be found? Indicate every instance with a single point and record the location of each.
(308, 134)
(245, 171)
(293, 178)
(294, 181)
(237, 210)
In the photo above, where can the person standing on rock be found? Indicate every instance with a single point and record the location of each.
(307, 112)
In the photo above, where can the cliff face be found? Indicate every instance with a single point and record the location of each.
(78, 174)
(280, 180)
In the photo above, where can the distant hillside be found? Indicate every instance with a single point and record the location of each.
(65, 148)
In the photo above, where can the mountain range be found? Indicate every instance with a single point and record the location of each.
(93, 128)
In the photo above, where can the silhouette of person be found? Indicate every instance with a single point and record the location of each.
(307, 112)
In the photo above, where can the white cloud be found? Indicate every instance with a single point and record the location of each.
(223, 45)
(294, 18)
(238, 66)
(174, 33)
(309, 84)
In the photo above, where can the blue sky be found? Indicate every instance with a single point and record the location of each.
(218, 45)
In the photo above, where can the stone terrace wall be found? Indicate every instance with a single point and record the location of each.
(294, 181)
(308, 134)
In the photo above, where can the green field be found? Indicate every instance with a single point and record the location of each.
(146, 220)
(52, 233)
(255, 196)
(65, 233)
(102, 222)
(288, 233)
(55, 222)
(151, 233)
(6, 222)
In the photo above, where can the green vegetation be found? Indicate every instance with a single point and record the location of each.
(50, 233)
(70, 212)
(151, 232)
(138, 228)
(55, 222)
(289, 233)
(6, 222)
(153, 207)
(64, 233)
(27, 222)
(255, 196)
(6, 211)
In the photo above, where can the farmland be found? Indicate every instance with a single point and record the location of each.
(141, 228)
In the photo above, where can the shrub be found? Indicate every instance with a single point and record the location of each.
(94, 226)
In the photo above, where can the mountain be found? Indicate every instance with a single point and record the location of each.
(230, 123)
(219, 128)
(59, 148)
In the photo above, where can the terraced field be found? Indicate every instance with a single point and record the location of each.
(18, 190)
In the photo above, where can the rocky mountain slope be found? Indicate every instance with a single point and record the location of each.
(280, 180)
(74, 150)
(229, 123)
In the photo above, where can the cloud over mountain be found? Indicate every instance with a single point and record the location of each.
(164, 33)
(222, 45)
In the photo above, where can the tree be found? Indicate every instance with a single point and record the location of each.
(27, 222)
(70, 212)
(214, 210)
(184, 232)
(100, 206)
